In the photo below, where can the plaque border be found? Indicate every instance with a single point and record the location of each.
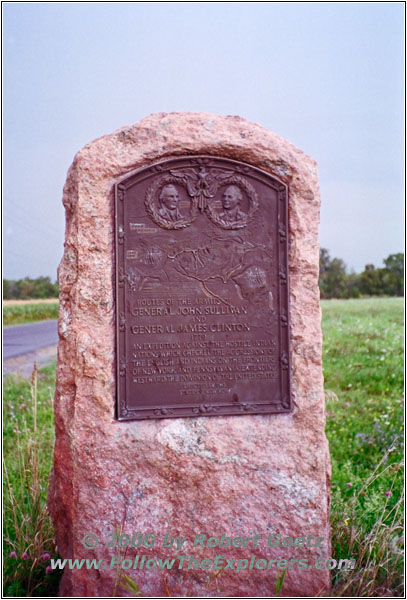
(285, 404)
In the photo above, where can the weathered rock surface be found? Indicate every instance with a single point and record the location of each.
(240, 475)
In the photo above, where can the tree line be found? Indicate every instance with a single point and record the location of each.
(28, 289)
(334, 281)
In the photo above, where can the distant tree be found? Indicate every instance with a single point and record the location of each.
(332, 276)
(10, 290)
(6, 289)
(44, 288)
(335, 282)
(27, 288)
(353, 285)
(324, 262)
(372, 281)
(394, 274)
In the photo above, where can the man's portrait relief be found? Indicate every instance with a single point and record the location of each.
(168, 201)
(234, 204)
(232, 198)
(169, 205)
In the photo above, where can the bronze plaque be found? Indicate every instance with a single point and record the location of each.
(202, 291)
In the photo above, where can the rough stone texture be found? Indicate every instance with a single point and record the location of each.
(237, 475)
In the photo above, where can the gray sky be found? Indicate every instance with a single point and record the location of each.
(326, 76)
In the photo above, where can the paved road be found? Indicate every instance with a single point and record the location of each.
(22, 339)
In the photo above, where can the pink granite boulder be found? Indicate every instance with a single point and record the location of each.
(248, 478)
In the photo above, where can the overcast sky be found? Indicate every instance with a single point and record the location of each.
(326, 76)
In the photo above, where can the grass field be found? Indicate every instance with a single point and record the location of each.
(20, 312)
(28, 435)
(363, 369)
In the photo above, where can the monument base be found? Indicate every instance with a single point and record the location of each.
(228, 499)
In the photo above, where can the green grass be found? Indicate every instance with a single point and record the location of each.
(28, 442)
(18, 314)
(363, 369)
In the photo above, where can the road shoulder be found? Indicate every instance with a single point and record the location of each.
(23, 365)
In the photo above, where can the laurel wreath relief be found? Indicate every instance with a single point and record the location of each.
(201, 186)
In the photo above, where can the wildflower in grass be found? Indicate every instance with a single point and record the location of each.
(349, 484)
(388, 494)
(13, 554)
(347, 404)
(48, 570)
(46, 556)
(24, 556)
